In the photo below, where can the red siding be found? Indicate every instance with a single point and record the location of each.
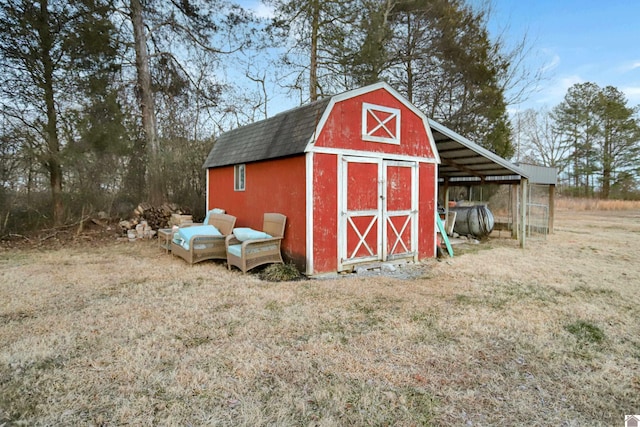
(427, 211)
(270, 186)
(325, 213)
(279, 185)
(343, 128)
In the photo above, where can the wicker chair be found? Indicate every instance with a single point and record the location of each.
(202, 247)
(252, 253)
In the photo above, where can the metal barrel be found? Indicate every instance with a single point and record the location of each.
(474, 221)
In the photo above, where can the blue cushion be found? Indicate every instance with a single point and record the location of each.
(244, 233)
(185, 234)
(235, 250)
(213, 211)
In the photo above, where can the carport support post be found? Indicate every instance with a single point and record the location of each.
(446, 200)
(524, 185)
(552, 203)
(514, 211)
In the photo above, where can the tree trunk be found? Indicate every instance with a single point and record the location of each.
(606, 164)
(576, 164)
(52, 160)
(313, 67)
(155, 180)
(409, 61)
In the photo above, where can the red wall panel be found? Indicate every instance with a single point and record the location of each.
(325, 213)
(427, 210)
(270, 186)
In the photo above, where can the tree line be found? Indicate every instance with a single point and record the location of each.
(106, 103)
(592, 137)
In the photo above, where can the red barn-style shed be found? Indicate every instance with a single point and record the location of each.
(355, 174)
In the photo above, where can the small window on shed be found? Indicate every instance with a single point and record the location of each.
(239, 177)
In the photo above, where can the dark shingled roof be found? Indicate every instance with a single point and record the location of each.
(282, 135)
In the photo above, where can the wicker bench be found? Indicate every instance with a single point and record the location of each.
(252, 253)
(205, 247)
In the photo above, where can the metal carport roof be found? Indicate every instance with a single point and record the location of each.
(466, 163)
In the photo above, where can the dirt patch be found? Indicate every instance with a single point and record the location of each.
(92, 232)
(121, 333)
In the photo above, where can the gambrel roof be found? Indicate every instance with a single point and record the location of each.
(282, 135)
(290, 132)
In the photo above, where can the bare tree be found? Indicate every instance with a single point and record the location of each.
(313, 30)
(166, 36)
(538, 140)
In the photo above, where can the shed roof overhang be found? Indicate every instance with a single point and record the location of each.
(466, 163)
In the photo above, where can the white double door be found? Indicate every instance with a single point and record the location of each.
(378, 208)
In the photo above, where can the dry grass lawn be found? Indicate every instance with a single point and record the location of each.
(125, 334)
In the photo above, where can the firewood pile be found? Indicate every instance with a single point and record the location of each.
(156, 217)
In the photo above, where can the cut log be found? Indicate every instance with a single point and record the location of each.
(178, 219)
(157, 217)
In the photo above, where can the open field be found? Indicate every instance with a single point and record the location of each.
(581, 204)
(124, 334)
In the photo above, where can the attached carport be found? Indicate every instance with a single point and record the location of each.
(465, 163)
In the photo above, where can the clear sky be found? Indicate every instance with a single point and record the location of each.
(574, 41)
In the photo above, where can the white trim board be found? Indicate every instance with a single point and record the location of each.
(371, 154)
(309, 166)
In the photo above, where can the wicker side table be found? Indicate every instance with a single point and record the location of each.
(164, 238)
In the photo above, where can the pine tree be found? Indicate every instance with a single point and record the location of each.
(603, 132)
(619, 136)
(46, 49)
(447, 65)
(436, 52)
(576, 122)
(319, 38)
